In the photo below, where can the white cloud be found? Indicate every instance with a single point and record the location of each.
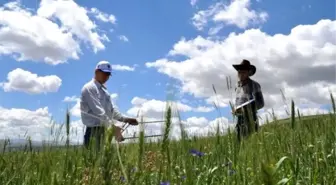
(204, 109)
(70, 99)
(123, 38)
(74, 18)
(119, 67)
(153, 108)
(156, 108)
(218, 101)
(193, 2)
(302, 63)
(201, 18)
(236, 13)
(239, 14)
(53, 34)
(18, 123)
(137, 101)
(75, 110)
(25, 81)
(195, 122)
(103, 16)
(14, 122)
(114, 95)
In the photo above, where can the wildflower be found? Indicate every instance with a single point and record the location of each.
(122, 179)
(231, 172)
(196, 153)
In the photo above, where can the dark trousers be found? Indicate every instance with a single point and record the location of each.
(244, 127)
(94, 133)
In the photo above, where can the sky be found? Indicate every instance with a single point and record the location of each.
(161, 51)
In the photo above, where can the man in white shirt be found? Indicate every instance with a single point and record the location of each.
(97, 108)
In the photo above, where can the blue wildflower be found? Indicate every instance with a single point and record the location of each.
(122, 179)
(196, 153)
(231, 172)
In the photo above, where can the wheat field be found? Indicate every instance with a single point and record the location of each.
(297, 150)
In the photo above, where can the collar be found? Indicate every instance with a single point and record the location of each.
(99, 85)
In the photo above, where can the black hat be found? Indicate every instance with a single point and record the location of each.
(246, 65)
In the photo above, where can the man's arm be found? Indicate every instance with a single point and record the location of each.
(258, 95)
(116, 114)
(91, 97)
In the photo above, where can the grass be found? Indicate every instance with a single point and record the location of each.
(297, 150)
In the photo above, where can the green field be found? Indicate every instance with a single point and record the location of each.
(298, 150)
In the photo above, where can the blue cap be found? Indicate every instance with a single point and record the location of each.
(104, 66)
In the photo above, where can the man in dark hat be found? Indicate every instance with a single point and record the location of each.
(249, 99)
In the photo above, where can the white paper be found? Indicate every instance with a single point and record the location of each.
(244, 104)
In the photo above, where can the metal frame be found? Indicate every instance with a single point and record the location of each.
(125, 125)
(134, 137)
(146, 122)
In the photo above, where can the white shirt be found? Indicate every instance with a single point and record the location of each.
(96, 105)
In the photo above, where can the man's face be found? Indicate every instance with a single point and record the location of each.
(102, 77)
(243, 74)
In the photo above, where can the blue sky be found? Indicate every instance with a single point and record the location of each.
(152, 29)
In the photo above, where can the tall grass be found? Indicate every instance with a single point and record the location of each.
(300, 150)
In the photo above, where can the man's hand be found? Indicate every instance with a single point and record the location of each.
(131, 121)
(117, 134)
(236, 111)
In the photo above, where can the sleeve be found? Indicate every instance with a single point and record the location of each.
(116, 113)
(258, 95)
(91, 97)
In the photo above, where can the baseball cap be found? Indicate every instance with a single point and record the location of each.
(104, 66)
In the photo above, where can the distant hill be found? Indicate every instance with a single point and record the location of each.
(21, 144)
(309, 117)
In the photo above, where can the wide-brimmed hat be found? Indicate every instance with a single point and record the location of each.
(246, 65)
